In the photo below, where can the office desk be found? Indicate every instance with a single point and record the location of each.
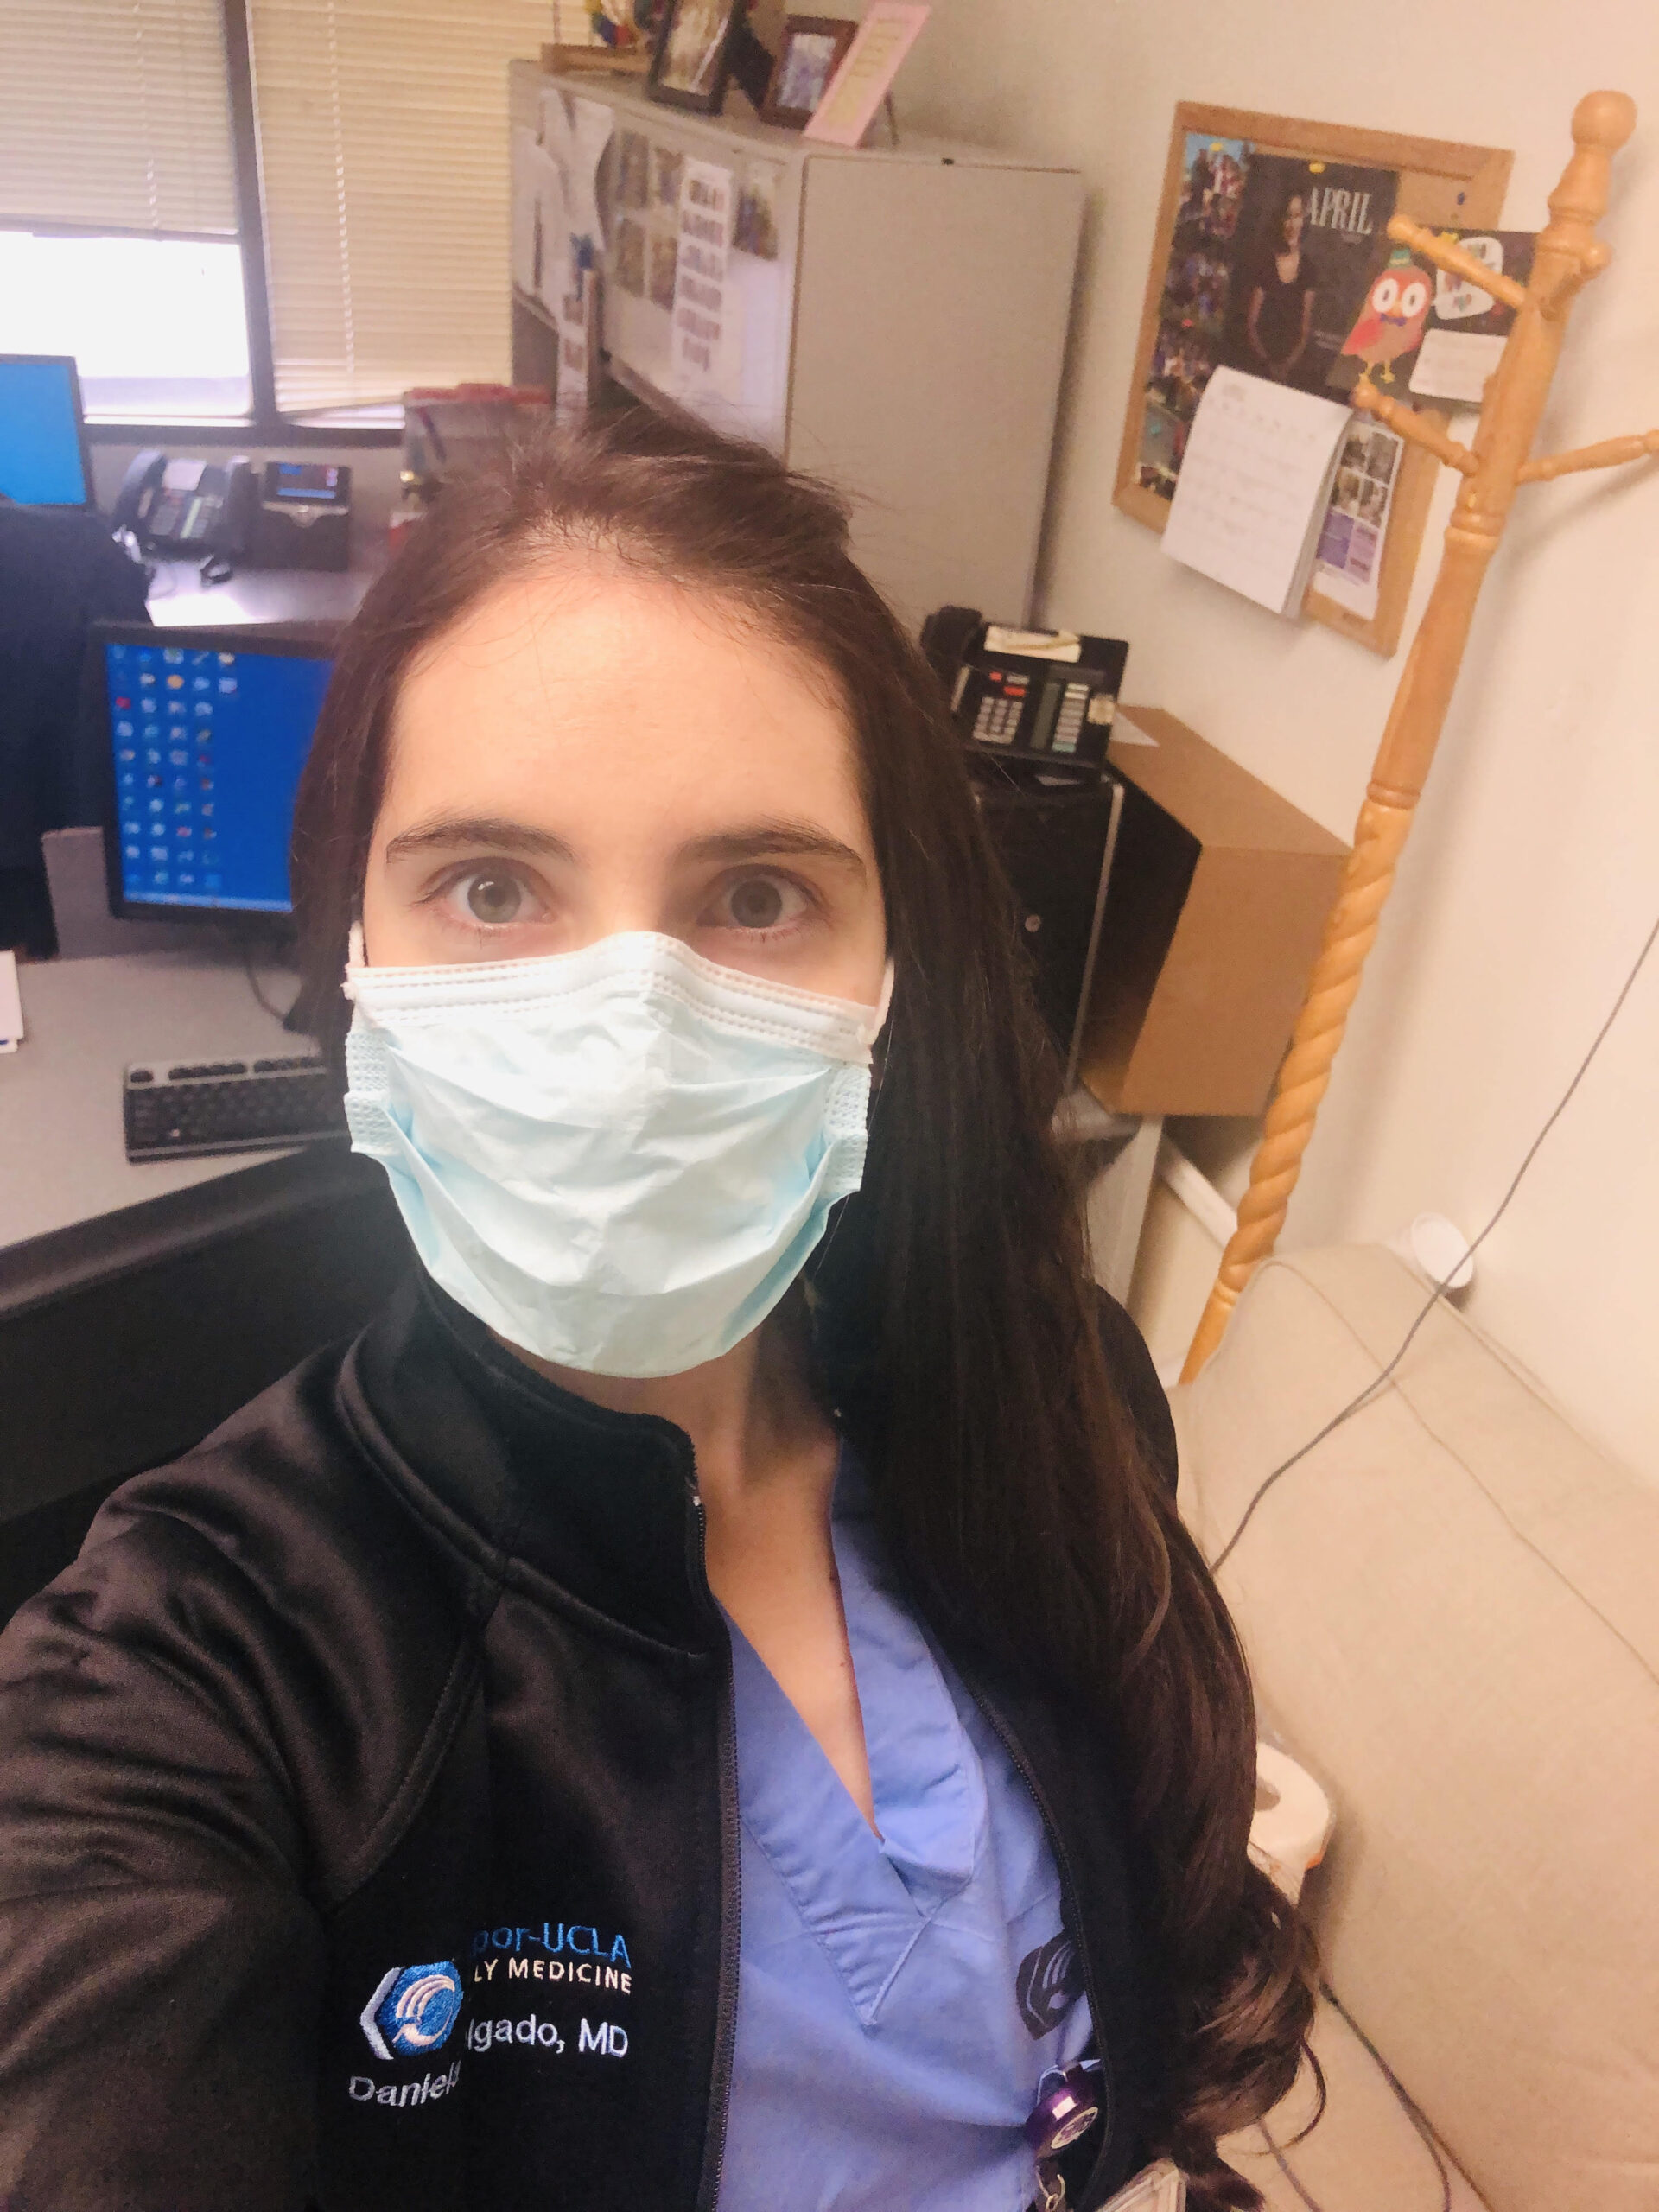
(63, 1162)
(179, 598)
(140, 1305)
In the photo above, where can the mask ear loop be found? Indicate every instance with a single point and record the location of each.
(878, 1020)
(354, 947)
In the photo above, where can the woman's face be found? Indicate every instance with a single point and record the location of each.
(1295, 216)
(586, 752)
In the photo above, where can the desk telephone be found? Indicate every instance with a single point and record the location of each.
(1033, 710)
(182, 506)
(1046, 696)
(277, 514)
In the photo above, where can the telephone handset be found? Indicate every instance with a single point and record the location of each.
(1042, 696)
(184, 506)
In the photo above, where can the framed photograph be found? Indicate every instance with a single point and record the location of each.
(693, 53)
(1271, 232)
(809, 57)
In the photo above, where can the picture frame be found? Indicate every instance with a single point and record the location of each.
(692, 60)
(1437, 183)
(809, 55)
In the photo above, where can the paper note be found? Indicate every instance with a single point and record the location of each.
(1253, 486)
(11, 1004)
(550, 243)
(851, 97)
(526, 155)
(708, 344)
(575, 133)
(1467, 328)
(576, 386)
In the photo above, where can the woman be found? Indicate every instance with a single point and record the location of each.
(707, 1701)
(1281, 317)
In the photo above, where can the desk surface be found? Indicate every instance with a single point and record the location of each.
(178, 597)
(62, 1157)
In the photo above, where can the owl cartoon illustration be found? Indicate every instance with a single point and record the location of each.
(1391, 321)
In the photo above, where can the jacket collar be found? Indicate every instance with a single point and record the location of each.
(602, 1503)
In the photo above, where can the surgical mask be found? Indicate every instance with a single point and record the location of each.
(618, 1158)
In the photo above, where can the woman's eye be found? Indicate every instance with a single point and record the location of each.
(493, 897)
(759, 902)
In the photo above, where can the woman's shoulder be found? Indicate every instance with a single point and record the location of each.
(222, 1619)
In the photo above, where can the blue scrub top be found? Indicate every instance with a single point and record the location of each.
(901, 1996)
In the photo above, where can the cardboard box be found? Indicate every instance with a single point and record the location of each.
(1214, 913)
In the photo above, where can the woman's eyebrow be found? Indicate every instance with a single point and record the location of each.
(748, 841)
(499, 836)
(758, 841)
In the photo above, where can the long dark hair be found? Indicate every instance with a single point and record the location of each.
(954, 1291)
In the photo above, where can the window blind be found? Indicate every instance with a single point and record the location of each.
(383, 152)
(114, 117)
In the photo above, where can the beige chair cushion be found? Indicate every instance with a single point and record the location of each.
(1363, 2154)
(1452, 1612)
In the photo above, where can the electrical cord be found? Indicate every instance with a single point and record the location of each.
(1364, 1397)
(276, 1012)
(1407, 2104)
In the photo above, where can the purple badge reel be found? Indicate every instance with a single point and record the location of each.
(1067, 2106)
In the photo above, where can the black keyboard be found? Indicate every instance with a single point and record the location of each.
(176, 1113)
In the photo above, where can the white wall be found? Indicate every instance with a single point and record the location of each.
(1533, 873)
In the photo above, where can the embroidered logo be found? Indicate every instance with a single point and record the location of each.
(1050, 1979)
(412, 2010)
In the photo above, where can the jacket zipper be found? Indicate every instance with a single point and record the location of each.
(719, 2086)
(1070, 1914)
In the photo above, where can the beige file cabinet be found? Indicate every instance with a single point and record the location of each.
(904, 340)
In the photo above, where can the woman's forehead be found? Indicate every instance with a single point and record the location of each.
(580, 691)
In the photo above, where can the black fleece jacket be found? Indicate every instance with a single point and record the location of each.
(413, 1664)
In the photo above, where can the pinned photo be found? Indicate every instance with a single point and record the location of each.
(633, 169)
(754, 227)
(664, 269)
(667, 168)
(628, 258)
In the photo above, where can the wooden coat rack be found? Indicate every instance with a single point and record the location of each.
(1567, 255)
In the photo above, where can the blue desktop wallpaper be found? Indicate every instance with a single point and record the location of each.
(208, 750)
(40, 439)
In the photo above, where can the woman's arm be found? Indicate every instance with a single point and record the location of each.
(1250, 330)
(1290, 360)
(160, 1971)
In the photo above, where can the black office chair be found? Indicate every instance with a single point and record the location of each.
(61, 571)
(124, 1341)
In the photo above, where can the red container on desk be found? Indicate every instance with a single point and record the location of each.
(462, 426)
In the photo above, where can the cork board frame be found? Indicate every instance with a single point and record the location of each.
(1441, 182)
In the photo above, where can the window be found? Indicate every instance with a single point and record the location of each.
(382, 144)
(119, 239)
(251, 210)
(158, 327)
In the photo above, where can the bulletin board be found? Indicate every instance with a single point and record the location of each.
(1231, 176)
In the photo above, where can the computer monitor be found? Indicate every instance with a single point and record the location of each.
(202, 735)
(43, 460)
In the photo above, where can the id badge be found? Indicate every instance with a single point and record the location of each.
(1160, 2188)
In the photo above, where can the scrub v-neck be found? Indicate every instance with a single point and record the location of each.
(883, 2053)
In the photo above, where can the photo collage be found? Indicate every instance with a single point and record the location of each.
(643, 258)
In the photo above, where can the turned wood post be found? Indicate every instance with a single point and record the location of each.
(1567, 254)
